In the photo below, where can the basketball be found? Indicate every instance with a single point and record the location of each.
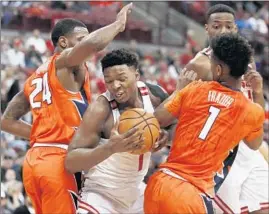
(146, 122)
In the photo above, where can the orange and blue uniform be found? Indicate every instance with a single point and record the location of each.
(57, 113)
(210, 124)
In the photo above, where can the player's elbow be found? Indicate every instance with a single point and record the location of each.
(5, 123)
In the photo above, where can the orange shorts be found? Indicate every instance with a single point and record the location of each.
(46, 181)
(166, 194)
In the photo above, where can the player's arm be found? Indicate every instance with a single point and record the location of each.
(10, 121)
(255, 80)
(200, 64)
(94, 42)
(158, 95)
(255, 120)
(84, 151)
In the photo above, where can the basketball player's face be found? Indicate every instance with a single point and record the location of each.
(121, 82)
(75, 37)
(220, 23)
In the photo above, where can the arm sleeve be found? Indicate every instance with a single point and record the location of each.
(255, 121)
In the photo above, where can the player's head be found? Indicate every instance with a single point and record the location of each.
(230, 57)
(68, 32)
(120, 68)
(220, 19)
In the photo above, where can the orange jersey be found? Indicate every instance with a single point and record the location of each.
(212, 119)
(56, 111)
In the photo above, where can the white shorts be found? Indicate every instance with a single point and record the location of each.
(246, 185)
(106, 200)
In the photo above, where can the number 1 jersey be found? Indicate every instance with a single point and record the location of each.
(56, 111)
(212, 120)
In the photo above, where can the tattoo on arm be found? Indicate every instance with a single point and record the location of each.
(17, 107)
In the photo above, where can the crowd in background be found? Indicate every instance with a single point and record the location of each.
(20, 56)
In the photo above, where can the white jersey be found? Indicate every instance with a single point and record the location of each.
(122, 171)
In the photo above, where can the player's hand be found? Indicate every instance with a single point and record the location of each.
(185, 77)
(126, 142)
(162, 141)
(255, 81)
(123, 14)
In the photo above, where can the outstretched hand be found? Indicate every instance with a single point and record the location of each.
(185, 77)
(123, 14)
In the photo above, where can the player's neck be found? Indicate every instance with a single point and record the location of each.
(58, 50)
(232, 83)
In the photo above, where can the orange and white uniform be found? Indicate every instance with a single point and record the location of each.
(56, 115)
(238, 190)
(210, 124)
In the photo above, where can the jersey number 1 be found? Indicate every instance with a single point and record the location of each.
(214, 112)
(41, 84)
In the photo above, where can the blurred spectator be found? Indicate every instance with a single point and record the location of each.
(15, 56)
(187, 56)
(15, 196)
(37, 42)
(133, 47)
(33, 58)
(172, 70)
(25, 209)
(4, 50)
(58, 5)
(4, 208)
(264, 68)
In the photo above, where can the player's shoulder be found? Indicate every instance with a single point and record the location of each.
(254, 112)
(157, 91)
(103, 104)
(193, 86)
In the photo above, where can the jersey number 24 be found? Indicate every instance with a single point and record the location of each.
(41, 85)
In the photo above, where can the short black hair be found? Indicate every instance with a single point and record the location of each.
(219, 8)
(120, 57)
(233, 50)
(64, 27)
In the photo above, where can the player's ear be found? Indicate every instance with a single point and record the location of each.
(206, 27)
(219, 70)
(137, 74)
(236, 28)
(63, 43)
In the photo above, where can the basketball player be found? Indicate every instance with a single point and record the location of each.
(211, 122)
(240, 189)
(113, 177)
(57, 94)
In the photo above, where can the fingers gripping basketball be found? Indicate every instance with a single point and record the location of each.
(145, 122)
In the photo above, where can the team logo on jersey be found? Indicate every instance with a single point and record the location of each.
(81, 105)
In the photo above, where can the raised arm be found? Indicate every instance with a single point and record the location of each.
(10, 121)
(94, 42)
(255, 80)
(84, 151)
